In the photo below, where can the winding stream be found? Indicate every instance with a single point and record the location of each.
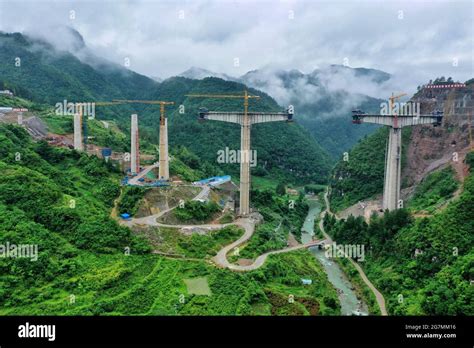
(348, 299)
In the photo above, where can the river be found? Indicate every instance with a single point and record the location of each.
(348, 299)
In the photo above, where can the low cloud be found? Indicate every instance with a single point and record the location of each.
(412, 40)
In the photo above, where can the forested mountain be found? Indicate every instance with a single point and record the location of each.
(87, 264)
(362, 175)
(324, 99)
(41, 72)
(424, 149)
(284, 151)
(423, 266)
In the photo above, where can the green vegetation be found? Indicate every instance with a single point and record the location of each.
(189, 167)
(424, 266)
(434, 190)
(280, 218)
(361, 176)
(58, 200)
(263, 183)
(130, 199)
(196, 211)
(314, 188)
(192, 245)
(280, 189)
(226, 218)
(46, 76)
(81, 250)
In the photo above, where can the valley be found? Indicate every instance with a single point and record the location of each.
(118, 238)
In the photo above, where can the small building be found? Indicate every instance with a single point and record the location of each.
(125, 216)
(292, 192)
(7, 93)
(306, 281)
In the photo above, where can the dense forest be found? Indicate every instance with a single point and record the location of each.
(360, 175)
(85, 255)
(61, 200)
(422, 266)
(284, 151)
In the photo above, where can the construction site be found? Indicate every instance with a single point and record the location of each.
(437, 101)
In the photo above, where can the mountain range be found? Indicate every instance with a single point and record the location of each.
(323, 99)
(48, 75)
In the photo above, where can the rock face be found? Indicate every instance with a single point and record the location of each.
(256, 217)
(431, 147)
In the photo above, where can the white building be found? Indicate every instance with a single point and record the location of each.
(7, 92)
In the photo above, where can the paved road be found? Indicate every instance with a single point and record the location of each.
(203, 194)
(248, 224)
(378, 295)
(221, 257)
(134, 180)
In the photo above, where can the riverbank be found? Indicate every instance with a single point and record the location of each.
(367, 283)
(351, 301)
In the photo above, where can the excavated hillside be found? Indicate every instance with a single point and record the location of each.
(431, 147)
(427, 149)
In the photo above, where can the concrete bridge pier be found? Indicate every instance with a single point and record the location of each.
(245, 167)
(391, 195)
(164, 170)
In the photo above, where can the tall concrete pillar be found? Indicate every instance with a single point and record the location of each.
(135, 146)
(245, 120)
(391, 194)
(245, 166)
(164, 159)
(392, 179)
(78, 132)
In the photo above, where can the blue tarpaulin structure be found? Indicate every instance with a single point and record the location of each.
(125, 216)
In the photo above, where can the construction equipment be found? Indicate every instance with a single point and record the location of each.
(245, 120)
(80, 126)
(164, 172)
(391, 101)
(391, 194)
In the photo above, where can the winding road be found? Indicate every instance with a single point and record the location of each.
(248, 224)
(378, 295)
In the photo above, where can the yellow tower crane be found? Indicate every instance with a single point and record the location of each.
(391, 102)
(81, 126)
(245, 97)
(164, 172)
(244, 120)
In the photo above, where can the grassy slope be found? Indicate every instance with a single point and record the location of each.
(81, 250)
(435, 282)
(434, 190)
(362, 175)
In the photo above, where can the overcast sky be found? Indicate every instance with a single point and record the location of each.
(413, 39)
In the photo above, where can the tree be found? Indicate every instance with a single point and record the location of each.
(281, 189)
